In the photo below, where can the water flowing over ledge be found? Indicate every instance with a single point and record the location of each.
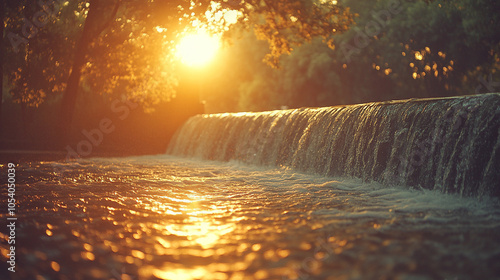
(447, 144)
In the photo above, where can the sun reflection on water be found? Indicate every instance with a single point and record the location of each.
(172, 220)
(186, 226)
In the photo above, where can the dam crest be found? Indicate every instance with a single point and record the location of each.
(447, 144)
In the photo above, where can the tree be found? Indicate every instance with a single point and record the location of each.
(283, 24)
(419, 49)
(434, 48)
(97, 21)
(129, 44)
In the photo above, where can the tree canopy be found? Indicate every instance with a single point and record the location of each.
(129, 44)
(394, 50)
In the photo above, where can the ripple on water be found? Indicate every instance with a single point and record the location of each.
(169, 218)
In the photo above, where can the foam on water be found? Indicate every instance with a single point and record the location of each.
(165, 217)
(449, 144)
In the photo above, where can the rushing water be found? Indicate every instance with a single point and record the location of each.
(446, 144)
(165, 217)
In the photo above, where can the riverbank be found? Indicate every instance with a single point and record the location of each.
(24, 155)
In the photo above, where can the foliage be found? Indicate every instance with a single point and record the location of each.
(40, 66)
(424, 49)
(132, 52)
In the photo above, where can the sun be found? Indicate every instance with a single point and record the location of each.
(197, 49)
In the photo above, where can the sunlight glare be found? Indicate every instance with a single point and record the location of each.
(197, 49)
(231, 16)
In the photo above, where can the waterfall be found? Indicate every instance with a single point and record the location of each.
(448, 144)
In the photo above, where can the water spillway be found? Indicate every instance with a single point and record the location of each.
(446, 144)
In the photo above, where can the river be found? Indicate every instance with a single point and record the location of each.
(167, 217)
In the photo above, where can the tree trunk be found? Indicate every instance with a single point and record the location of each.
(90, 31)
(70, 94)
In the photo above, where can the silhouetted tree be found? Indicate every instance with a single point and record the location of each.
(283, 24)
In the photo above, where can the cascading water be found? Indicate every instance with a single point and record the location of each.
(167, 217)
(447, 144)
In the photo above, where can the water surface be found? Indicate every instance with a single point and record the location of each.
(165, 217)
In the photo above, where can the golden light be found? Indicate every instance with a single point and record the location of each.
(418, 55)
(231, 16)
(197, 49)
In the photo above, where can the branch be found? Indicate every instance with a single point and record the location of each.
(110, 19)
